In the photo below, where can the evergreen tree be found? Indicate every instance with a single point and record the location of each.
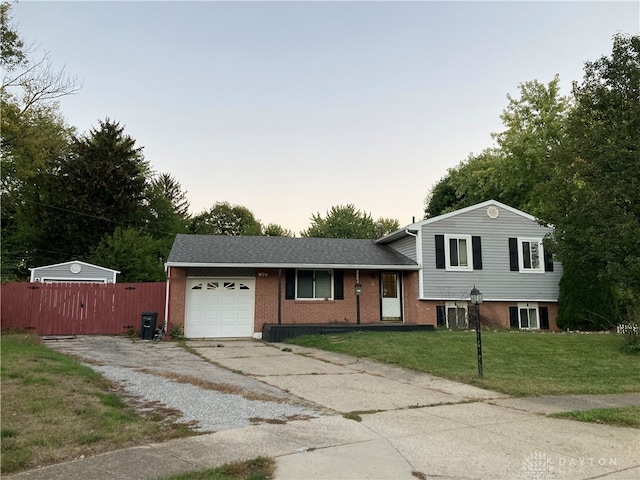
(101, 185)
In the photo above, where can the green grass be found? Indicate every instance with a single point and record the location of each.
(55, 409)
(260, 468)
(515, 362)
(623, 417)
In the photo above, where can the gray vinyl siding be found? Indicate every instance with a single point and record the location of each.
(407, 247)
(495, 280)
(62, 273)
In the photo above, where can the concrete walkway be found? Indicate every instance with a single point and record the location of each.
(412, 426)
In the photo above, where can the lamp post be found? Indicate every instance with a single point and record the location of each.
(358, 288)
(476, 299)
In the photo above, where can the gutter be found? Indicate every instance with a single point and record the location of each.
(293, 265)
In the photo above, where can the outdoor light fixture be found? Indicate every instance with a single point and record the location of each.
(476, 296)
(476, 299)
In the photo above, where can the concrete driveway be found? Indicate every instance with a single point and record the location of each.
(417, 425)
(412, 425)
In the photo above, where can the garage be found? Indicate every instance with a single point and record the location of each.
(219, 307)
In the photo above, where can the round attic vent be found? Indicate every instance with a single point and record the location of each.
(493, 212)
(75, 268)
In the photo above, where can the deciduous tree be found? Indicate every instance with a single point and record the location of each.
(226, 219)
(345, 221)
(593, 197)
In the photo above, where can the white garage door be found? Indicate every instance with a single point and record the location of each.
(219, 307)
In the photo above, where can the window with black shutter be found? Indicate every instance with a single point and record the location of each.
(514, 321)
(338, 285)
(440, 316)
(544, 318)
(440, 260)
(290, 285)
(513, 255)
(476, 246)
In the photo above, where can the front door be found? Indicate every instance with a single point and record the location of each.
(390, 296)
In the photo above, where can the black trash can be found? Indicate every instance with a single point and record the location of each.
(148, 325)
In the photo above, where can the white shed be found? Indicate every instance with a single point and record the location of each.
(74, 271)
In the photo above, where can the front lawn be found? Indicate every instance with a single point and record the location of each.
(515, 362)
(55, 409)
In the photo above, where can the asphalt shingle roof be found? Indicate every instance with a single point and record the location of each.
(263, 251)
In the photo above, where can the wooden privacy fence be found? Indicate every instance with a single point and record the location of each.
(80, 308)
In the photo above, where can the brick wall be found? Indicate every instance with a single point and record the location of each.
(177, 292)
(415, 311)
(317, 311)
(494, 314)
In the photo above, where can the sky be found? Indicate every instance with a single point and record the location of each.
(290, 108)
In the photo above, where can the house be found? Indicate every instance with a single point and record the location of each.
(230, 286)
(491, 246)
(74, 271)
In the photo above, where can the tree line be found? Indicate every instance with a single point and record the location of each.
(94, 196)
(574, 163)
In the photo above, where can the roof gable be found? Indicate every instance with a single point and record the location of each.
(414, 227)
(75, 262)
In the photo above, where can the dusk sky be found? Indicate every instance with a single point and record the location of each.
(289, 108)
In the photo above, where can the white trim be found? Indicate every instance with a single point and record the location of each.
(73, 280)
(541, 259)
(75, 261)
(529, 306)
(486, 300)
(166, 302)
(456, 304)
(447, 253)
(301, 266)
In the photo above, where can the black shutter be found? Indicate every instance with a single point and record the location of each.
(476, 247)
(290, 285)
(544, 318)
(513, 317)
(513, 255)
(548, 262)
(440, 318)
(440, 251)
(338, 284)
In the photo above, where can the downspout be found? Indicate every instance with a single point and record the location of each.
(417, 236)
(166, 301)
(279, 296)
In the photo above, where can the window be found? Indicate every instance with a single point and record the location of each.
(456, 314)
(458, 252)
(525, 316)
(314, 284)
(527, 255)
(531, 251)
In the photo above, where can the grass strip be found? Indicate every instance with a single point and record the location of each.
(622, 417)
(260, 468)
(515, 362)
(55, 409)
